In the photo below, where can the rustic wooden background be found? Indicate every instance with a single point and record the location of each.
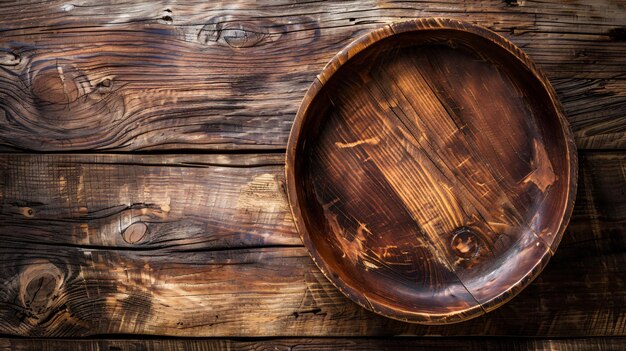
(142, 187)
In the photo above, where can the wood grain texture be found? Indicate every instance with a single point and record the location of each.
(59, 285)
(292, 344)
(195, 75)
(146, 202)
(114, 256)
(431, 172)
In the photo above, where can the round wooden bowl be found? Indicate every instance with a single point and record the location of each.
(431, 171)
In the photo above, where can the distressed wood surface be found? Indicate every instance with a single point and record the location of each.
(203, 201)
(68, 270)
(159, 244)
(135, 76)
(512, 344)
(406, 189)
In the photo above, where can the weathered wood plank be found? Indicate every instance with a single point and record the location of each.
(198, 75)
(596, 109)
(56, 292)
(414, 344)
(59, 284)
(146, 202)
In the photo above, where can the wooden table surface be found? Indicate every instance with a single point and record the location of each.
(142, 182)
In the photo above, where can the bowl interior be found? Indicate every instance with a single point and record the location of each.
(432, 175)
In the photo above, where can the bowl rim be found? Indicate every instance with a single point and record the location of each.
(342, 57)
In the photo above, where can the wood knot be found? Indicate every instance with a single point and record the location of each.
(68, 105)
(27, 212)
(101, 90)
(465, 243)
(240, 31)
(55, 85)
(62, 85)
(105, 84)
(135, 232)
(236, 34)
(8, 58)
(40, 284)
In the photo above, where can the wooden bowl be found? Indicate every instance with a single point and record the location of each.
(431, 171)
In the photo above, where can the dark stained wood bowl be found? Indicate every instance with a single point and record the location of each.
(431, 171)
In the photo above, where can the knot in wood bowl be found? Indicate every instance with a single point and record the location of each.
(465, 243)
(431, 171)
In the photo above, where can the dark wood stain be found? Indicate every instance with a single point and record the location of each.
(322, 344)
(197, 130)
(175, 67)
(431, 171)
(231, 250)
